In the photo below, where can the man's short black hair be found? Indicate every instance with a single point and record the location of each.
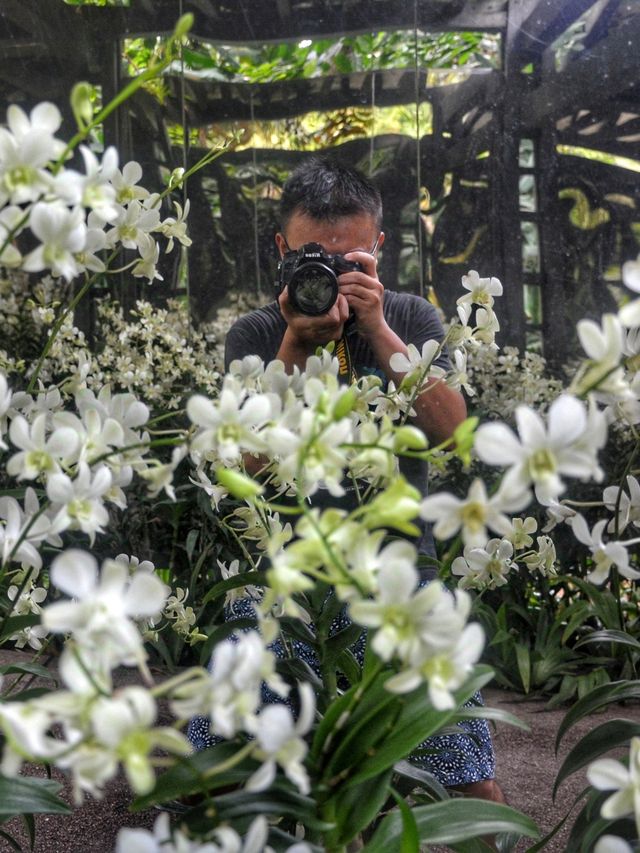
(325, 189)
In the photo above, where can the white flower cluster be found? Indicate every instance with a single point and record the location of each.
(73, 215)
(98, 728)
(156, 353)
(311, 435)
(504, 379)
(545, 450)
(224, 839)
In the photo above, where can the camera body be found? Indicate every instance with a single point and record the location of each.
(311, 276)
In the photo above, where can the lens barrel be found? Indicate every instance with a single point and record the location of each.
(313, 288)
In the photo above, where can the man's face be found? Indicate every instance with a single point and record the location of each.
(336, 238)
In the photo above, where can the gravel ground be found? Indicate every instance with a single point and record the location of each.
(526, 761)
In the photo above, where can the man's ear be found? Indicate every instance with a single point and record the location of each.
(281, 243)
(380, 242)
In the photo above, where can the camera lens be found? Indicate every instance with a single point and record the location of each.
(313, 289)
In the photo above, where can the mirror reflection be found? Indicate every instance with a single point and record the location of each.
(504, 136)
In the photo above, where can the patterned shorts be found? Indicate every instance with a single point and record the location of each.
(454, 759)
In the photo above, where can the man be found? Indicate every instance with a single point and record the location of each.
(334, 206)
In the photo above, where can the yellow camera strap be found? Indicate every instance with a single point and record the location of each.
(345, 366)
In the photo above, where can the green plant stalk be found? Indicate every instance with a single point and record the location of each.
(58, 325)
(154, 70)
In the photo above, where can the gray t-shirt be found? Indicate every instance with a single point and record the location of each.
(411, 317)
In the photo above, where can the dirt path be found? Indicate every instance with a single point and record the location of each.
(526, 770)
(527, 764)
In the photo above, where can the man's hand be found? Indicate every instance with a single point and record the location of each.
(364, 293)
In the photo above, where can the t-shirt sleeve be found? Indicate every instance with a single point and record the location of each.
(259, 333)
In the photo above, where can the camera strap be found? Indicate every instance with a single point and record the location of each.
(345, 366)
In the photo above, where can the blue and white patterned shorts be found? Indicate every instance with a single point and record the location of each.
(454, 759)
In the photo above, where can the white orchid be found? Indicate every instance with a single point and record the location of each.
(459, 376)
(176, 227)
(147, 265)
(78, 503)
(397, 611)
(12, 221)
(229, 426)
(612, 844)
(629, 314)
(604, 344)
(279, 741)
(133, 225)
(631, 274)
(485, 329)
(520, 530)
(92, 189)
(481, 292)
(39, 454)
(605, 554)
(27, 145)
(62, 233)
(543, 560)
(126, 184)
(5, 404)
(415, 361)
(21, 533)
(557, 513)
(625, 505)
(26, 602)
(568, 445)
(474, 514)
(102, 615)
(223, 839)
(230, 694)
(484, 568)
(124, 724)
(448, 650)
(608, 774)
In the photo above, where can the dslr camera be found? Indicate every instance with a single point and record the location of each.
(311, 276)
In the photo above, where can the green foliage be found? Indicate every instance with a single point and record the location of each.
(308, 58)
(557, 637)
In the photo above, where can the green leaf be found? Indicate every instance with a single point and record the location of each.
(452, 821)
(358, 806)
(616, 691)
(416, 722)
(29, 668)
(30, 795)
(186, 776)
(603, 738)
(283, 803)
(609, 636)
(524, 665)
(336, 644)
(410, 842)
(484, 713)
(346, 709)
(364, 736)
(422, 778)
(12, 842)
(192, 538)
(16, 623)
(222, 587)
